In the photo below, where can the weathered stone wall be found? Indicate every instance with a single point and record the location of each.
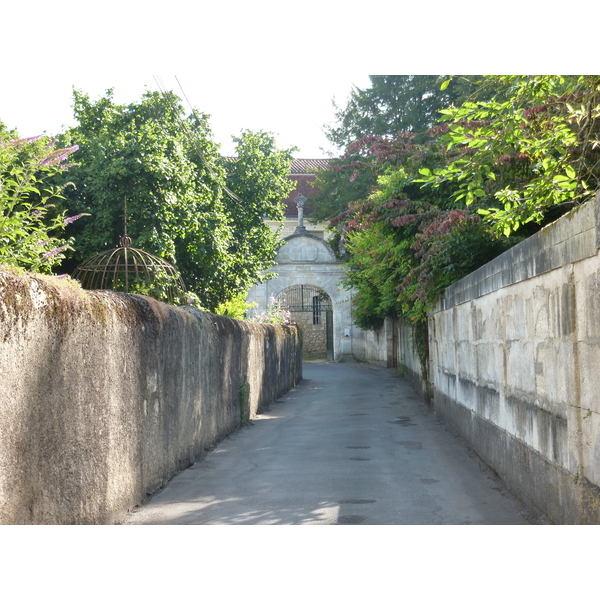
(376, 345)
(105, 396)
(514, 365)
(515, 355)
(407, 358)
(392, 345)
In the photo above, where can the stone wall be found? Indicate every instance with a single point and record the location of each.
(392, 346)
(514, 365)
(514, 352)
(408, 359)
(105, 396)
(377, 345)
(514, 355)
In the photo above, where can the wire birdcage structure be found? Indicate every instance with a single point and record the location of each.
(127, 269)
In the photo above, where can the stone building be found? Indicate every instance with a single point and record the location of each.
(309, 280)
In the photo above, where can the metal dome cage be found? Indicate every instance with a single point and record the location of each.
(126, 269)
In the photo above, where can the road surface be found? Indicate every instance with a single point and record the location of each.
(352, 444)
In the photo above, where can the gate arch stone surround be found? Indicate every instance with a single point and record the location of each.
(305, 259)
(312, 310)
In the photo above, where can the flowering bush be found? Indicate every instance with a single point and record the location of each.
(28, 220)
(275, 313)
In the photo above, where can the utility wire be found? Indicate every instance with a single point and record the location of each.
(188, 133)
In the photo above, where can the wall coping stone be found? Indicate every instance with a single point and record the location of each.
(573, 237)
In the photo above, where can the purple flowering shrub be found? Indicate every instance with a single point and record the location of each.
(275, 313)
(30, 237)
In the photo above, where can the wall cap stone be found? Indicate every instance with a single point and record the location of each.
(573, 237)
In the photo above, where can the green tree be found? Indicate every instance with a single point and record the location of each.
(509, 159)
(406, 103)
(258, 176)
(521, 157)
(395, 107)
(402, 254)
(168, 169)
(338, 186)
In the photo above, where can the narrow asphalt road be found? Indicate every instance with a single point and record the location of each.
(351, 444)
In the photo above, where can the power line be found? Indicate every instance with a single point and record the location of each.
(188, 133)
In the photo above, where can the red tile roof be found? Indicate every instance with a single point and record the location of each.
(302, 171)
(302, 166)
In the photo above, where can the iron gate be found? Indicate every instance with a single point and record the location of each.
(311, 299)
(305, 298)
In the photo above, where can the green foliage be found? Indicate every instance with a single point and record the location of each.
(393, 103)
(258, 176)
(403, 254)
(376, 266)
(517, 158)
(141, 153)
(31, 219)
(529, 146)
(396, 108)
(179, 205)
(338, 186)
(406, 243)
(235, 307)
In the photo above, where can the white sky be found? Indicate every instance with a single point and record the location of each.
(254, 65)
(249, 100)
(234, 63)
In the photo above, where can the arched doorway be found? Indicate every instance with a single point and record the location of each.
(312, 310)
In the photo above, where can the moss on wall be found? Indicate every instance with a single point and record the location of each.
(106, 395)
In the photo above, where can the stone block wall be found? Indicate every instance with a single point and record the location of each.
(314, 337)
(392, 346)
(514, 365)
(376, 345)
(105, 396)
(514, 354)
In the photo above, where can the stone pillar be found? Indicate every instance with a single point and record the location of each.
(300, 201)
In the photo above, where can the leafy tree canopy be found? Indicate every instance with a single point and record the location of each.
(393, 103)
(515, 160)
(258, 175)
(184, 202)
(527, 156)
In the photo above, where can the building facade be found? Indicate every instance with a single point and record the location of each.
(303, 172)
(309, 279)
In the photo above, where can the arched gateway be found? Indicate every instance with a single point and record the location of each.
(311, 309)
(307, 268)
